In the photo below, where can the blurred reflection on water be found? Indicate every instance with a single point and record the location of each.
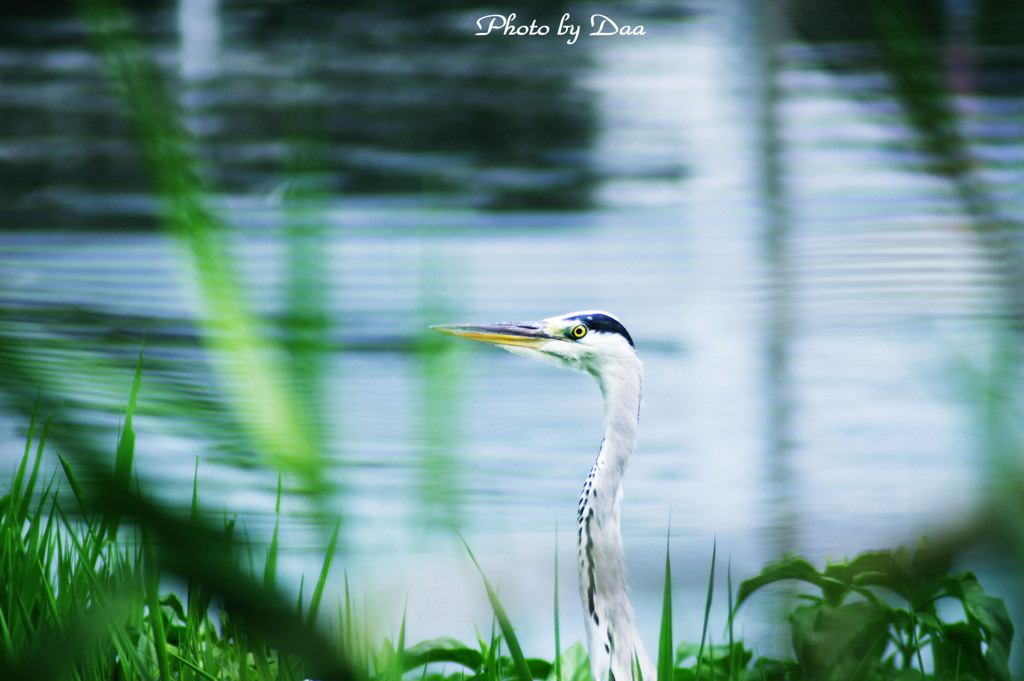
(395, 171)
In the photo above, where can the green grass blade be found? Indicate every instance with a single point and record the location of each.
(729, 628)
(491, 669)
(707, 609)
(347, 628)
(270, 568)
(156, 619)
(6, 639)
(125, 449)
(26, 498)
(243, 657)
(195, 510)
(262, 661)
(76, 489)
(515, 651)
(398, 662)
(318, 592)
(196, 669)
(665, 652)
(31, 433)
(126, 446)
(19, 477)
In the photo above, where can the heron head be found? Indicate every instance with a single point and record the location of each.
(586, 341)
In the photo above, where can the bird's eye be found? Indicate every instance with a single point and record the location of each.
(578, 331)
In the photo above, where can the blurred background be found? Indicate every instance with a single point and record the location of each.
(803, 212)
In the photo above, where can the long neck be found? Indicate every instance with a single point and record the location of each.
(611, 631)
(621, 393)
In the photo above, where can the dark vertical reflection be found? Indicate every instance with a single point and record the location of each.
(952, 68)
(766, 38)
(765, 32)
(927, 88)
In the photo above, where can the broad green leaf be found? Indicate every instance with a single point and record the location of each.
(957, 652)
(768, 669)
(685, 651)
(790, 567)
(994, 619)
(990, 612)
(539, 669)
(839, 644)
(576, 663)
(929, 620)
(173, 603)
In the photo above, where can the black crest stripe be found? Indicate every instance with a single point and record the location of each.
(604, 324)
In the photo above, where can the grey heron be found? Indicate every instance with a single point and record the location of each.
(596, 343)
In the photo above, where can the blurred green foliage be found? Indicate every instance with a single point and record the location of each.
(86, 580)
(854, 631)
(250, 365)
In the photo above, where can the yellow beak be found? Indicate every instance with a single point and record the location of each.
(526, 334)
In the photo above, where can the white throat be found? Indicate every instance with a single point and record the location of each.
(615, 646)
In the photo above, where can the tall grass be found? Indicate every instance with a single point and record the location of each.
(83, 574)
